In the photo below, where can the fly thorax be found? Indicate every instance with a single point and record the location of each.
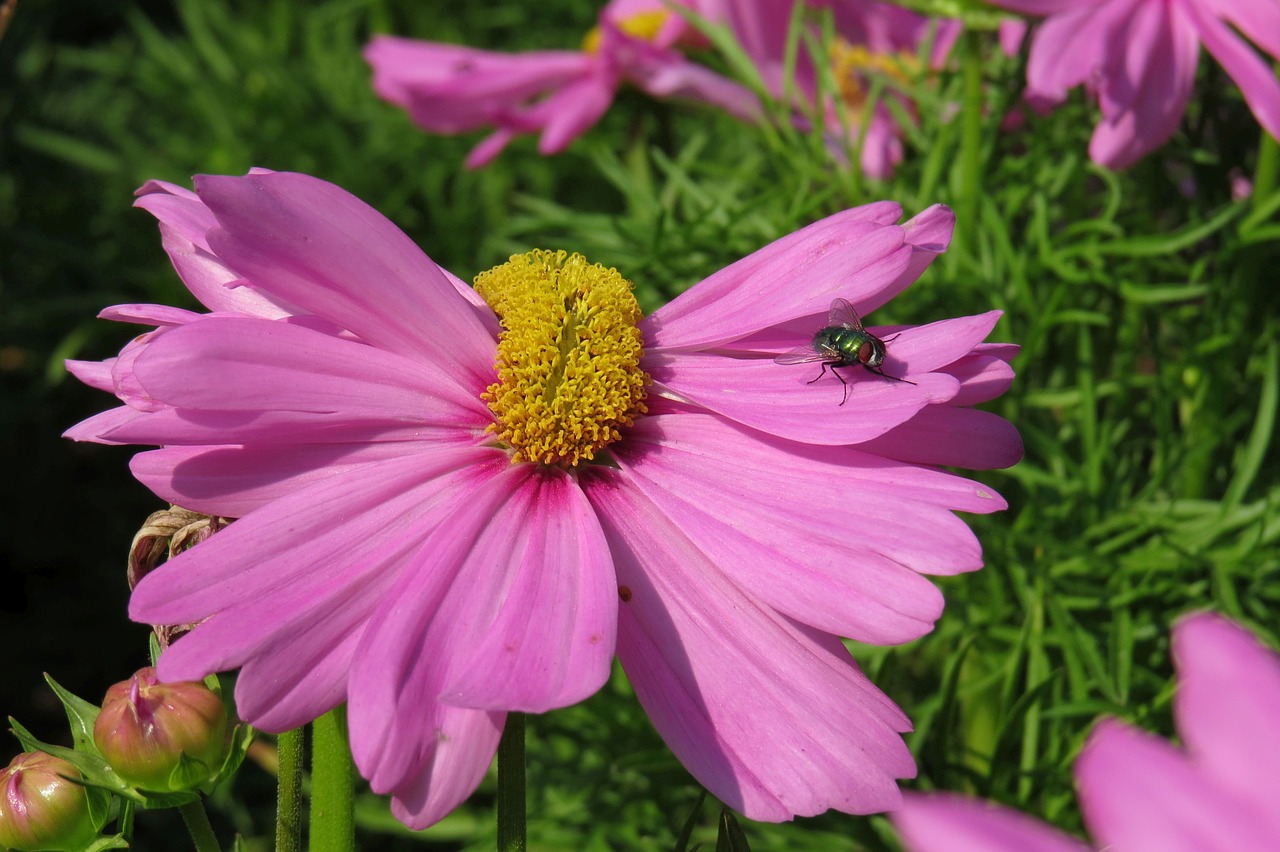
(569, 377)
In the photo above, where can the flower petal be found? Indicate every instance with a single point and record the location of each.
(784, 400)
(949, 823)
(1139, 792)
(319, 247)
(552, 642)
(232, 481)
(953, 437)
(453, 602)
(249, 364)
(1225, 707)
(1256, 79)
(854, 254)
(1146, 85)
(451, 771)
(850, 564)
(774, 719)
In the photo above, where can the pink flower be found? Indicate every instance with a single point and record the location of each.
(716, 518)
(1138, 57)
(872, 38)
(1217, 792)
(560, 94)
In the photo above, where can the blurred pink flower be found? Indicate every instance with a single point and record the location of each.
(1138, 58)
(1217, 793)
(449, 88)
(872, 39)
(395, 551)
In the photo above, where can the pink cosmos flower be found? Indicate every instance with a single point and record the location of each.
(1138, 57)
(872, 38)
(559, 93)
(447, 514)
(1217, 793)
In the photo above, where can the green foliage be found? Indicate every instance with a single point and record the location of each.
(1143, 302)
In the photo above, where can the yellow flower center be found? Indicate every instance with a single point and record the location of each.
(851, 63)
(642, 25)
(569, 377)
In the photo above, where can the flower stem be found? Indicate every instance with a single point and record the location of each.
(197, 821)
(511, 786)
(289, 747)
(1264, 176)
(969, 174)
(332, 784)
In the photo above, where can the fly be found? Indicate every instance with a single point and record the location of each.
(843, 342)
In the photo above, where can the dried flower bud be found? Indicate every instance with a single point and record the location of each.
(162, 737)
(164, 535)
(40, 808)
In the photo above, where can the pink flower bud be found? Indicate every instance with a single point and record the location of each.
(41, 809)
(146, 727)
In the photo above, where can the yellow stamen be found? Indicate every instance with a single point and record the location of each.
(642, 25)
(569, 377)
(850, 64)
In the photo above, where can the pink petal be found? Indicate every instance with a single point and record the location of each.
(573, 110)
(313, 534)
(451, 771)
(99, 427)
(950, 823)
(552, 642)
(689, 81)
(775, 720)
(955, 437)
(457, 599)
(153, 315)
(982, 378)
(1044, 8)
(1258, 22)
(488, 148)
(319, 247)
(248, 364)
(95, 374)
(854, 254)
(448, 88)
(1070, 48)
(780, 400)
(1139, 792)
(1143, 103)
(232, 481)
(1225, 707)
(1256, 78)
(297, 642)
(925, 348)
(849, 564)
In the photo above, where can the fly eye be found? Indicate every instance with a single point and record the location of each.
(870, 354)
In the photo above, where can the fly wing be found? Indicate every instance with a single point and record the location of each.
(801, 355)
(842, 314)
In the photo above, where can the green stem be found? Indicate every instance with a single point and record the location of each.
(333, 776)
(289, 746)
(198, 824)
(126, 819)
(1264, 176)
(969, 173)
(511, 786)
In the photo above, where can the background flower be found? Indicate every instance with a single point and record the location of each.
(1217, 792)
(558, 94)
(389, 553)
(1139, 57)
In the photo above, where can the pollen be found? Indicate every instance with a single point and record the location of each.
(851, 63)
(644, 26)
(569, 377)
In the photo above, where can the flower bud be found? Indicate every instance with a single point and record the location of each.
(164, 535)
(162, 737)
(41, 809)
